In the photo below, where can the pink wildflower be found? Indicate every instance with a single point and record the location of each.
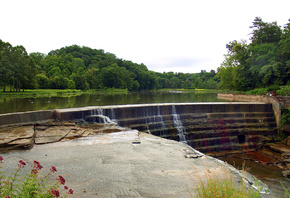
(21, 164)
(37, 165)
(54, 192)
(1, 159)
(53, 169)
(65, 187)
(34, 171)
(61, 179)
(70, 191)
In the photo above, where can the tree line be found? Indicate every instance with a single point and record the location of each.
(263, 62)
(258, 63)
(75, 67)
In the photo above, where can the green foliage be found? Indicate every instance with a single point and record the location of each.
(286, 191)
(284, 91)
(75, 67)
(273, 88)
(224, 188)
(33, 184)
(285, 117)
(17, 69)
(263, 62)
(260, 91)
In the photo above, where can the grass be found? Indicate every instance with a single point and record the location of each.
(40, 92)
(219, 184)
(223, 188)
(190, 90)
(58, 92)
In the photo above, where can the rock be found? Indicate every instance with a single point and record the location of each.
(286, 128)
(76, 133)
(52, 134)
(280, 148)
(21, 137)
(286, 173)
(287, 141)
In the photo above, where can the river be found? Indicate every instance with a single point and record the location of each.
(12, 104)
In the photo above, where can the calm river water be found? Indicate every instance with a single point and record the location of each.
(8, 105)
(269, 175)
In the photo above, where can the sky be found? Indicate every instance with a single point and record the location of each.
(166, 35)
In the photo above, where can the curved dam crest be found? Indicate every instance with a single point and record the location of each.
(207, 127)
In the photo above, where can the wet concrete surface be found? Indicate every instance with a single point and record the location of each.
(124, 164)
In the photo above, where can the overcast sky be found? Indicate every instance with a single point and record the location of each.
(166, 35)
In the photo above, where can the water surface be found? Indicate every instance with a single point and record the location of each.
(12, 104)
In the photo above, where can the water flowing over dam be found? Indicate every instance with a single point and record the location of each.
(207, 127)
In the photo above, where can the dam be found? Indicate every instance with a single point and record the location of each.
(207, 127)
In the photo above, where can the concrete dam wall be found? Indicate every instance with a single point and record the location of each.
(207, 127)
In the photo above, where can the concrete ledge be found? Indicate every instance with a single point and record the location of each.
(30, 117)
(120, 111)
(138, 110)
(256, 98)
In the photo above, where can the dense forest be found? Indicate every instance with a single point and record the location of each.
(75, 67)
(263, 62)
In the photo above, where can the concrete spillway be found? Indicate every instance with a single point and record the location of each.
(207, 127)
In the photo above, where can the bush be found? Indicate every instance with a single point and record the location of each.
(284, 91)
(285, 117)
(33, 184)
(260, 91)
(273, 88)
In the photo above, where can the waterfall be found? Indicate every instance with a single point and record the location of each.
(160, 119)
(154, 118)
(113, 115)
(97, 116)
(178, 125)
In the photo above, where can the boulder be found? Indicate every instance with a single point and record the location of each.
(286, 173)
(286, 129)
(21, 137)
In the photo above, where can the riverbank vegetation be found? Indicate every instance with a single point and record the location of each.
(32, 184)
(59, 92)
(224, 188)
(262, 62)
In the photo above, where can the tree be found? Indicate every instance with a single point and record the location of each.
(265, 32)
(23, 69)
(43, 81)
(285, 54)
(5, 64)
(234, 71)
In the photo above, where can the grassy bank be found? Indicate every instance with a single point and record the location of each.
(57, 92)
(191, 90)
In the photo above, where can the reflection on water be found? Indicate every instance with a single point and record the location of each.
(8, 105)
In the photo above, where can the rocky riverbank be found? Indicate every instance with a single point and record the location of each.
(121, 164)
(26, 136)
